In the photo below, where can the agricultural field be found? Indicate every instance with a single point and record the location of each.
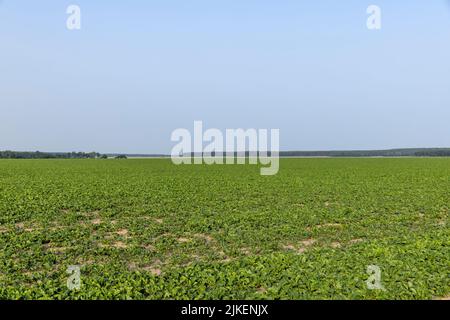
(147, 229)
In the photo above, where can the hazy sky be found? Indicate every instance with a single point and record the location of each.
(137, 70)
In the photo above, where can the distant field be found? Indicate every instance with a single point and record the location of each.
(147, 229)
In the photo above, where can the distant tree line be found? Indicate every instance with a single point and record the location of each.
(433, 153)
(49, 155)
(413, 152)
(417, 152)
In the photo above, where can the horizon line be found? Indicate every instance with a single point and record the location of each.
(280, 151)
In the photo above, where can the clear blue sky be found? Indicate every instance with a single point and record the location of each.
(137, 70)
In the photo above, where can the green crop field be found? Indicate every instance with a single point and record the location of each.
(147, 229)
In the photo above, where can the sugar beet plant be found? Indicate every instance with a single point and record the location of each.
(146, 229)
